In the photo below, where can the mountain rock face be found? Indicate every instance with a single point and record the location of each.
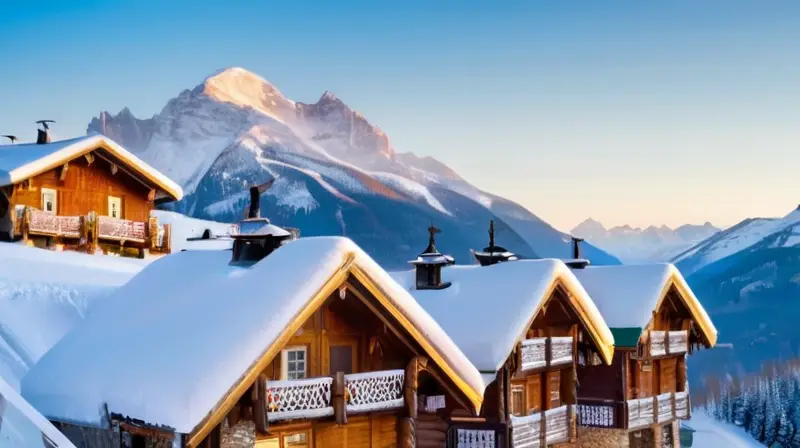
(336, 173)
(637, 245)
(748, 278)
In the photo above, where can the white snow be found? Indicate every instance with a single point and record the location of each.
(184, 227)
(165, 363)
(627, 295)
(24, 427)
(488, 309)
(712, 434)
(44, 294)
(414, 189)
(19, 162)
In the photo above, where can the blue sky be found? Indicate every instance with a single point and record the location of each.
(642, 113)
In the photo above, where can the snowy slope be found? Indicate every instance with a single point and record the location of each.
(742, 236)
(44, 294)
(712, 434)
(637, 245)
(338, 173)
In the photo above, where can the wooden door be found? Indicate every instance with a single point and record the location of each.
(342, 354)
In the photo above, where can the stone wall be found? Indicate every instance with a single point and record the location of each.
(241, 435)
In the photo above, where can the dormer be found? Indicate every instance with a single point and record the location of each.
(493, 254)
(576, 262)
(257, 236)
(429, 264)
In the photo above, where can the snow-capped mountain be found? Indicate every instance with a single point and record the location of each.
(337, 174)
(637, 245)
(748, 278)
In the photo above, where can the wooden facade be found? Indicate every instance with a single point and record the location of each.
(92, 201)
(646, 385)
(351, 376)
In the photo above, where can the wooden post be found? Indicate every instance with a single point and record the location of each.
(666, 342)
(167, 245)
(573, 423)
(95, 231)
(152, 231)
(548, 351)
(407, 435)
(543, 430)
(259, 403)
(674, 413)
(655, 409)
(26, 224)
(339, 402)
(416, 365)
(501, 395)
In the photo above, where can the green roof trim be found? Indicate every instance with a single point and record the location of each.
(626, 337)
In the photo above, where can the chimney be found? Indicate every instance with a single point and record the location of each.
(43, 135)
(576, 262)
(429, 264)
(493, 254)
(255, 203)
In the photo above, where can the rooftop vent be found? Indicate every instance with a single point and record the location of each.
(13, 138)
(493, 254)
(43, 135)
(257, 237)
(576, 262)
(429, 264)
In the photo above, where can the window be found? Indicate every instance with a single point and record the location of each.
(114, 207)
(296, 440)
(518, 400)
(49, 200)
(293, 363)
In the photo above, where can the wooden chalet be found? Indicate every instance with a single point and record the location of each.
(656, 321)
(526, 325)
(280, 342)
(85, 193)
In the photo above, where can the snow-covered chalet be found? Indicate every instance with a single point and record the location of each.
(85, 193)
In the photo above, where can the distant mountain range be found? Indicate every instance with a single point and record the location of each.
(637, 245)
(337, 174)
(748, 278)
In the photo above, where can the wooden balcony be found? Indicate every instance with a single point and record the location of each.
(538, 353)
(316, 397)
(543, 428)
(90, 231)
(633, 414)
(666, 343)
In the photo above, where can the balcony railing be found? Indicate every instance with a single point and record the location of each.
(543, 428)
(634, 413)
(109, 228)
(540, 353)
(476, 435)
(374, 391)
(44, 223)
(663, 343)
(313, 397)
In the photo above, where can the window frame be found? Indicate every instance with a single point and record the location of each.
(285, 361)
(118, 200)
(42, 193)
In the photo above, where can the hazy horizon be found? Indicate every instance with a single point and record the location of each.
(665, 114)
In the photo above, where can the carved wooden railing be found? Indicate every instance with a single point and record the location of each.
(682, 405)
(109, 228)
(663, 343)
(543, 428)
(373, 391)
(545, 352)
(49, 224)
(305, 398)
(476, 435)
(601, 413)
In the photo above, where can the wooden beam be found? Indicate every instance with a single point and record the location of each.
(63, 175)
(339, 399)
(114, 168)
(383, 318)
(89, 158)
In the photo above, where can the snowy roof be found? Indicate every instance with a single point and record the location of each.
(488, 309)
(162, 364)
(628, 295)
(44, 294)
(23, 161)
(22, 426)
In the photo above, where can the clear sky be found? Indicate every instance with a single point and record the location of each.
(631, 112)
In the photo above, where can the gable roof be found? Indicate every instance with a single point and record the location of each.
(628, 295)
(164, 364)
(22, 425)
(488, 309)
(23, 161)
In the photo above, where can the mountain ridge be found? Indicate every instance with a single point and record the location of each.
(336, 172)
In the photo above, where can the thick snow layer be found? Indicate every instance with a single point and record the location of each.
(22, 426)
(487, 309)
(184, 227)
(19, 162)
(44, 294)
(627, 295)
(193, 325)
(710, 433)
(412, 188)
